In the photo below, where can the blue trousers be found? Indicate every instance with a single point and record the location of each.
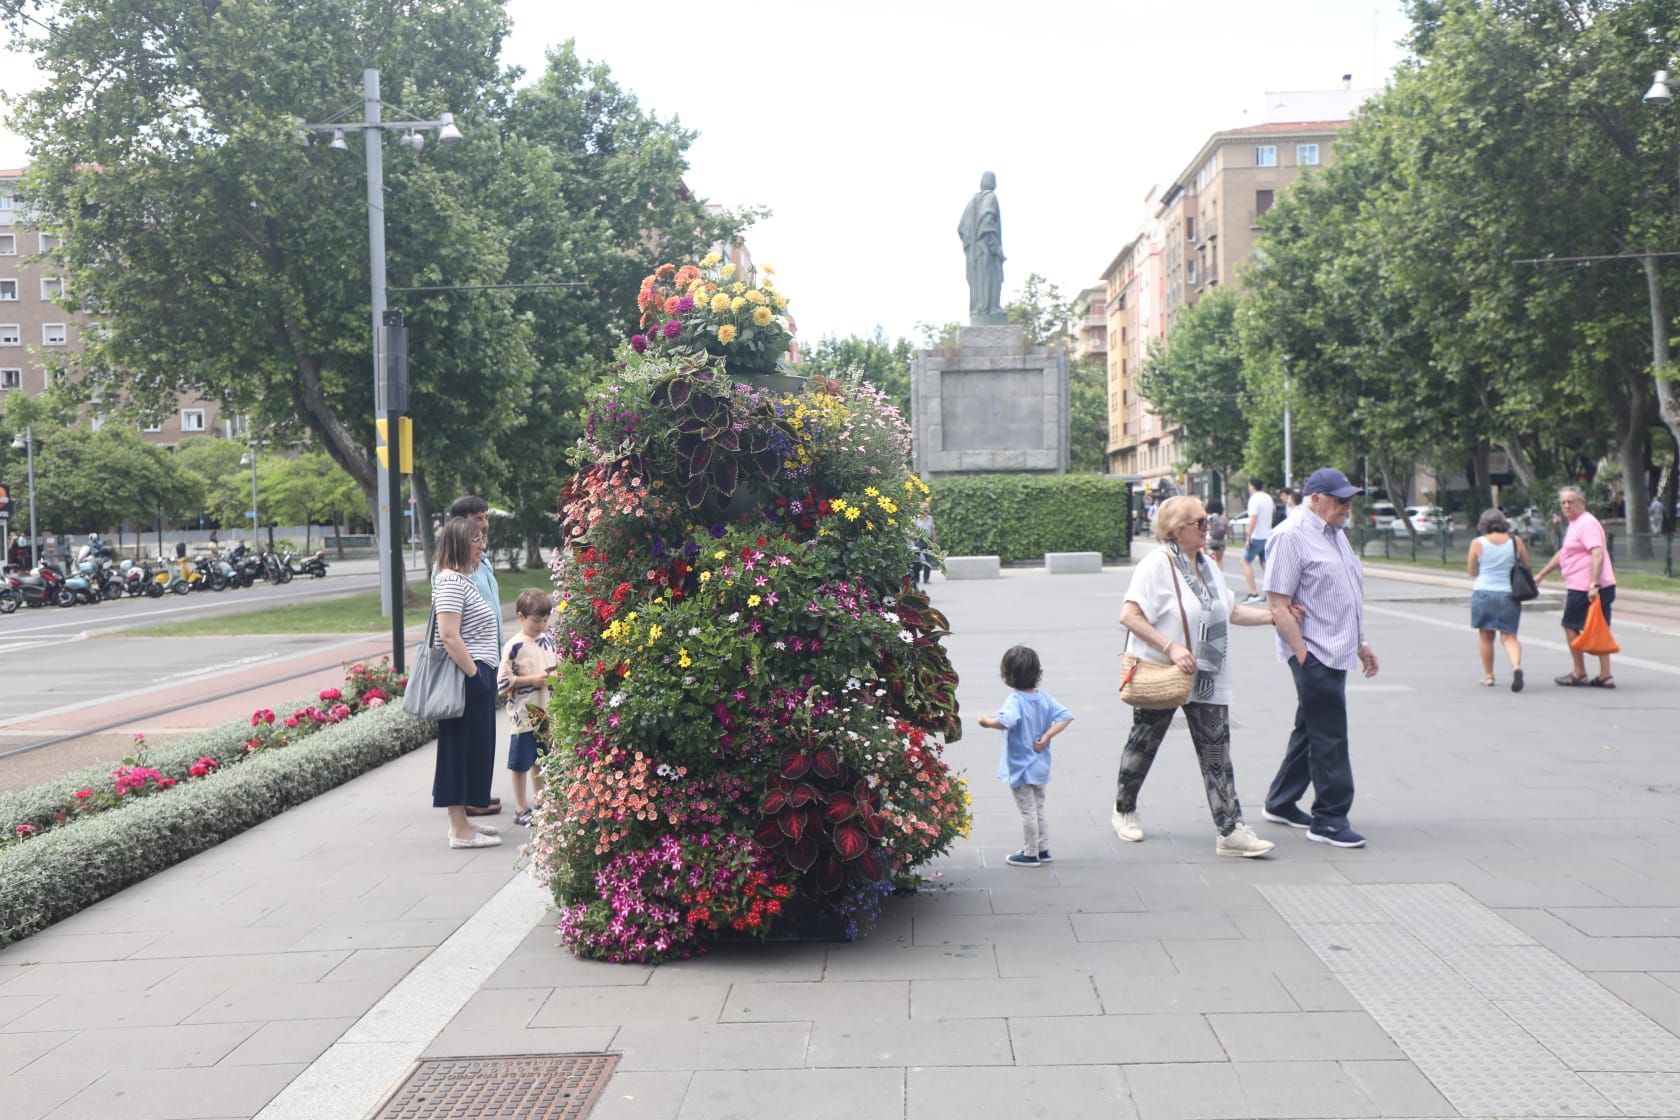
(1318, 746)
(466, 746)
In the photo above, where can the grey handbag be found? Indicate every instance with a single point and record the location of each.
(437, 689)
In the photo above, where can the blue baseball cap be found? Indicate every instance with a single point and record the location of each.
(1329, 480)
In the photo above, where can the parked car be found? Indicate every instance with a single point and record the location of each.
(1427, 520)
(1381, 514)
(1237, 527)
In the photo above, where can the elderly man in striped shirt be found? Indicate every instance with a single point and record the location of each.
(1314, 565)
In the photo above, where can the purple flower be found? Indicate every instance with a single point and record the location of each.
(684, 305)
(638, 343)
(717, 531)
(673, 328)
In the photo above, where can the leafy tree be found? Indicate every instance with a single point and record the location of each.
(1196, 381)
(882, 362)
(90, 480)
(305, 489)
(1087, 416)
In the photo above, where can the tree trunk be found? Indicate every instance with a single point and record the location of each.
(338, 534)
(533, 552)
(1520, 466)
(423, 515)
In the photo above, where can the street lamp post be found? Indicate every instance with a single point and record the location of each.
(251, 458)
(25, 441)
(373, 126)
(1662, 93)
(1288, 432)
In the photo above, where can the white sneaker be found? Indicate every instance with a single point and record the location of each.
(1242, 842)
(479, 840)
(1127, 826)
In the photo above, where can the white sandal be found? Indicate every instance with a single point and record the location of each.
(479, 840)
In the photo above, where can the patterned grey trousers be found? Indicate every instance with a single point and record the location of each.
(1210, 731)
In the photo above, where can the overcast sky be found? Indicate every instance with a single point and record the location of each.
(865, 126)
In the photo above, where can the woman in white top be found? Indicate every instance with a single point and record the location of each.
(1174, 574)
(466, 628)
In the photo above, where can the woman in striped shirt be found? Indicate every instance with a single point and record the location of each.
(466, 627)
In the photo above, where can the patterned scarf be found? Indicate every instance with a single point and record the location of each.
(1210, 643)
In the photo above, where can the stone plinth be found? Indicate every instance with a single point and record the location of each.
(990, 404)
(973, 567)
(1068, 563)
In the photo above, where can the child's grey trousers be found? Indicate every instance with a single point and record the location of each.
(1035, 829)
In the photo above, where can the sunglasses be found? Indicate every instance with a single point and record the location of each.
(1199, 522)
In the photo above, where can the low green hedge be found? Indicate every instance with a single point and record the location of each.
(61, 871)
(1022, 516)
(40, 805)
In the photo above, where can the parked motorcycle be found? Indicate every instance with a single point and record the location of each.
(141, 579)
(315, 566)
(41, 586)
(10, 597)
(248, 566)
(179, 580)
(81, 585)
(275, 571)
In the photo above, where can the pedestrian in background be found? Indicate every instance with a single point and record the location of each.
(923, 570)
(483, 576)
(1492, 610)
(1029, 719)
(1291, 504)
(1313, 566)
(1588, 575)
(1217, 531)
(466, 745)
(1260, 508)
(1177, 577)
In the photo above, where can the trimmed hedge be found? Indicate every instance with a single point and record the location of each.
(59, 872)
(39, 805)
(1021, 516)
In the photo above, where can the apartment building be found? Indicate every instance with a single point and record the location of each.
(1198, 231)
(38, 335)
(1090, 324)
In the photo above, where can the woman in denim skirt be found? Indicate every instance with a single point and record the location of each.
(1492, 610)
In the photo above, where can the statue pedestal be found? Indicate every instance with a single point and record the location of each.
(989, 404)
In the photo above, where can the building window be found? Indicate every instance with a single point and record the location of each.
(11, 334)
(49, 241)
(54, 334)
(1265, 155)
(8, 244)
(1190, 229)
(152, 428)
(9, 291)
(1190, 271)
(52, 287)
(5, 202)
(1306, 155)
(11, 379)
(1262, 202)
(192, 419)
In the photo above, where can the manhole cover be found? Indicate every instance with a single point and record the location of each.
(548, 1087)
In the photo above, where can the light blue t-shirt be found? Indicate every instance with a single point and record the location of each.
(484, 578)
(1493, 570)
(1025, 716)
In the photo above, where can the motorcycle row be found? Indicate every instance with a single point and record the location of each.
(99, 577)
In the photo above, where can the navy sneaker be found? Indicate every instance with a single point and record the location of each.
(1021, 859)
(1343, 837)
(1290, 815)
(1044, 856)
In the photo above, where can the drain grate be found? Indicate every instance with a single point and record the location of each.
(527, 1087)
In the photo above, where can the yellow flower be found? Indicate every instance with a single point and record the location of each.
(705, 577)
(761, 317)
(683, 660)
(720, 304)
(753, 600)
(563, 604)
(756, 296)
(625, 671)
(737, 303)
(710, 259)
(654, 631)
(781, 303)
(696, 286)
(838, 504)
(719, 554)
(727, 270)
(871, 492)
(726, 333)
(767, 269)
(870, 525)
(887, 504)
(851, 513)
(738, 288)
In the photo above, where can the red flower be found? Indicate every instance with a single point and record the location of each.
(83, 794)
(25, 831)
(327, 694)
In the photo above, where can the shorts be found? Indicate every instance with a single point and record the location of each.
(523, 751)
(1495, 610)
(1255, 550)
(1575, 607)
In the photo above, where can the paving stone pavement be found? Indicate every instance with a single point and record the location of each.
(1508, 944)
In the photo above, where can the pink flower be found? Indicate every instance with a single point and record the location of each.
(166, 783)
(331, 694)
(291, 721)
(376, 703)
(139, 736)
(83, 794)
(25, 831)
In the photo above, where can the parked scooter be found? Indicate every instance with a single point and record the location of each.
(315, 566)
(41, 586)
(141, 579)
(180, 579)
(247, 566)
(81, 584)
(275, 571)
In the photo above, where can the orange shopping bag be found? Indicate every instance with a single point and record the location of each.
(1595, 637)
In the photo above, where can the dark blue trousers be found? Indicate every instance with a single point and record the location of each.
(1318, 746)
(466, 746)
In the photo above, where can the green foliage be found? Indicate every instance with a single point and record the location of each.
(882, 362)
(50, 877)
(1087, 416)
(1196, 381)
(1021, 517)
(92, 481)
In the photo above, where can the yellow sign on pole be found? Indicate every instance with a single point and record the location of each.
(405, 444)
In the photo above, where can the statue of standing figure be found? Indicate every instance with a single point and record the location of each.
(981, 230)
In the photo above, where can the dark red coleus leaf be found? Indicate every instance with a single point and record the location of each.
(768, 834)
(803, 794)
(727, 474)
(870, 865)
(795, 763)
(698, 486)
(850, 841)
(826, 763)
(774, 802)
(700, 460)
(803, 853)
(872, 825)
(676, 392)
(830, 873)
(792, 823)
(841, 805)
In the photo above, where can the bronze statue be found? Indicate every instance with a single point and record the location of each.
(981, 230)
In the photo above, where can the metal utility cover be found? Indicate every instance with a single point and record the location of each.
(520, 1087)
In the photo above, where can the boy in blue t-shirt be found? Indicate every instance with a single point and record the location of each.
(1030, 719)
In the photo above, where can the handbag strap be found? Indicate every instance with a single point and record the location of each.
(1183, 619)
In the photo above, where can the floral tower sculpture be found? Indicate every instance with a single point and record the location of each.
(746, 724)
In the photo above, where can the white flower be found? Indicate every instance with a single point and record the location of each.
(853, 684)
(906, 637)
(779, 645)
(666, 770)
(615, 699)
(694, 631)
(735, 617)
(889, 616)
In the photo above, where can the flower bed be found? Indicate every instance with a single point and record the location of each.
(745, 723)
(61, 871)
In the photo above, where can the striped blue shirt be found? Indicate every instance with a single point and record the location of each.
(1314, 565)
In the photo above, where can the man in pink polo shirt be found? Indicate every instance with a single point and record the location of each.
(1587, 575)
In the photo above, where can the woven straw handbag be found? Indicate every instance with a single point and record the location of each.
(1147, 684)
